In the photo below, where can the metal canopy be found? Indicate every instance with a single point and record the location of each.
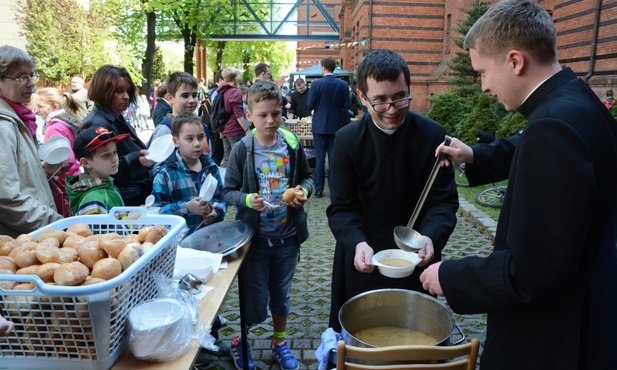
(288, 20)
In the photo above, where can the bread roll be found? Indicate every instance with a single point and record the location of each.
(48, 253)
(113, 247)
(51, 241)
(131, 238)
(46, 271)
(129, 255)
(25, 255)
(8, 263)
(107, 268)
(90, 253)
(59, 235)
(30, 270)
(143, 233)
(71, 252)
(71, 274)
(7, 248)
(91, 281)
(25, 238)
(73, 241)
(4, 239)
(291, 194)
(82, 229)
(155, 234)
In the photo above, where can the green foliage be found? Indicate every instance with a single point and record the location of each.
(482, 117)
(614, 110)
(448, 109)
(159, 70)
(245, 55)
(64, 38)
(465, 81)
(511, 124)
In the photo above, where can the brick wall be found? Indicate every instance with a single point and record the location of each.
(422, 31)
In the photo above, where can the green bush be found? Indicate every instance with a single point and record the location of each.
(511, 124)
(614, 110)
(448, 109)
(482, 117)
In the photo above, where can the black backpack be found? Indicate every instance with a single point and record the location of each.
(218, 115)
(205, 109)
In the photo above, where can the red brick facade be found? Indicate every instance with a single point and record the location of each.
(422, 31)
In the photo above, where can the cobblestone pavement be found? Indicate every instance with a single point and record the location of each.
(311, 290)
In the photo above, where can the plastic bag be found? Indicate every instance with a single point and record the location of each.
(162, 329)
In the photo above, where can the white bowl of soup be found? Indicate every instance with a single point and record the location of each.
(396, 263)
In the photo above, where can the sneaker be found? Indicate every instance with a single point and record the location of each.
(202, 360)
(285, 358)
(236, 350)
(224, 321)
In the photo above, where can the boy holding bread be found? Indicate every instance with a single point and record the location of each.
(93, 192)
(262, 167)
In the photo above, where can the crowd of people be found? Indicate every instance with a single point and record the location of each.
(552, 273)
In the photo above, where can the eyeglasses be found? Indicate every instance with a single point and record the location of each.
(383, 107)
(100, 139)
(23, 79)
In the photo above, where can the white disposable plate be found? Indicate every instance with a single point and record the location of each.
(206, 192)
(55, 150)
(161, 148)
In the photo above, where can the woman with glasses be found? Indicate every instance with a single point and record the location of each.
(379, 168)
(26, 201)
(60, 112)
(112, 90)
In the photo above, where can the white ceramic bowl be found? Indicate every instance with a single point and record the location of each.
(55, 150)
(158, 330)
(200, 266)
(392, 271)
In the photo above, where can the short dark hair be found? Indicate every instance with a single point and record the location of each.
(328, 63)
(609, 92)
(161, 91)
(218, 76)
(104, 82)
(381, 65)
(261, 68)
(182, 119)
(177, 79)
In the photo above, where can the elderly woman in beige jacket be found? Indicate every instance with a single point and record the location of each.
(26, 201)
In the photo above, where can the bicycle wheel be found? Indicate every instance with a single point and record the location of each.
(492, 197)
(459, 175)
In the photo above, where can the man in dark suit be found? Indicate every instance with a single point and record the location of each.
(162, 105)
(550, 285)
(328, 99)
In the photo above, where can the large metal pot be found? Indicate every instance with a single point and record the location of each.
(398, 308)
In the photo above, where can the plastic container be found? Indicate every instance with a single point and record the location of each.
(84, 327)
(380, 259)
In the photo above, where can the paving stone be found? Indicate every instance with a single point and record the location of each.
(474, 235)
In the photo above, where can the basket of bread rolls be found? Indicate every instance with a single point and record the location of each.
(68, 287)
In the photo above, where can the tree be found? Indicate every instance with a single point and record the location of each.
(190, 20)
(465, 81)
(482, 117)
(64, 38)
(244, 55)
(159, 71)
(448, 109)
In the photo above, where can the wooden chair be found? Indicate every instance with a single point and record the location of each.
(398, 356)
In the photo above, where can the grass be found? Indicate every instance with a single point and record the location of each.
(469, 194)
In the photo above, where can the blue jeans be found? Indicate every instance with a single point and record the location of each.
(324, 143)
(268, 271)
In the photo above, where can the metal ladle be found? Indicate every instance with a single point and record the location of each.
(406, 237)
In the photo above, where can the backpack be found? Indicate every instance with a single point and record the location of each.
(205, 109)
(218, 115)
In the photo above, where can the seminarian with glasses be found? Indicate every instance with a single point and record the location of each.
(378, 169)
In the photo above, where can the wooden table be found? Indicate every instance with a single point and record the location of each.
(208, 309)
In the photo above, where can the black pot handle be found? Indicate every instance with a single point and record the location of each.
(460, 332)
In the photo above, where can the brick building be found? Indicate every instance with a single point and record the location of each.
(422, 32)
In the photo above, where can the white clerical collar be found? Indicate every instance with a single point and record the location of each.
(387, 132)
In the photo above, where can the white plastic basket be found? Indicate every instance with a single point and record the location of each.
(84, 327)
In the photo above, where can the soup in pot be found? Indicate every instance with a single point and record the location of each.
(384, 336)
